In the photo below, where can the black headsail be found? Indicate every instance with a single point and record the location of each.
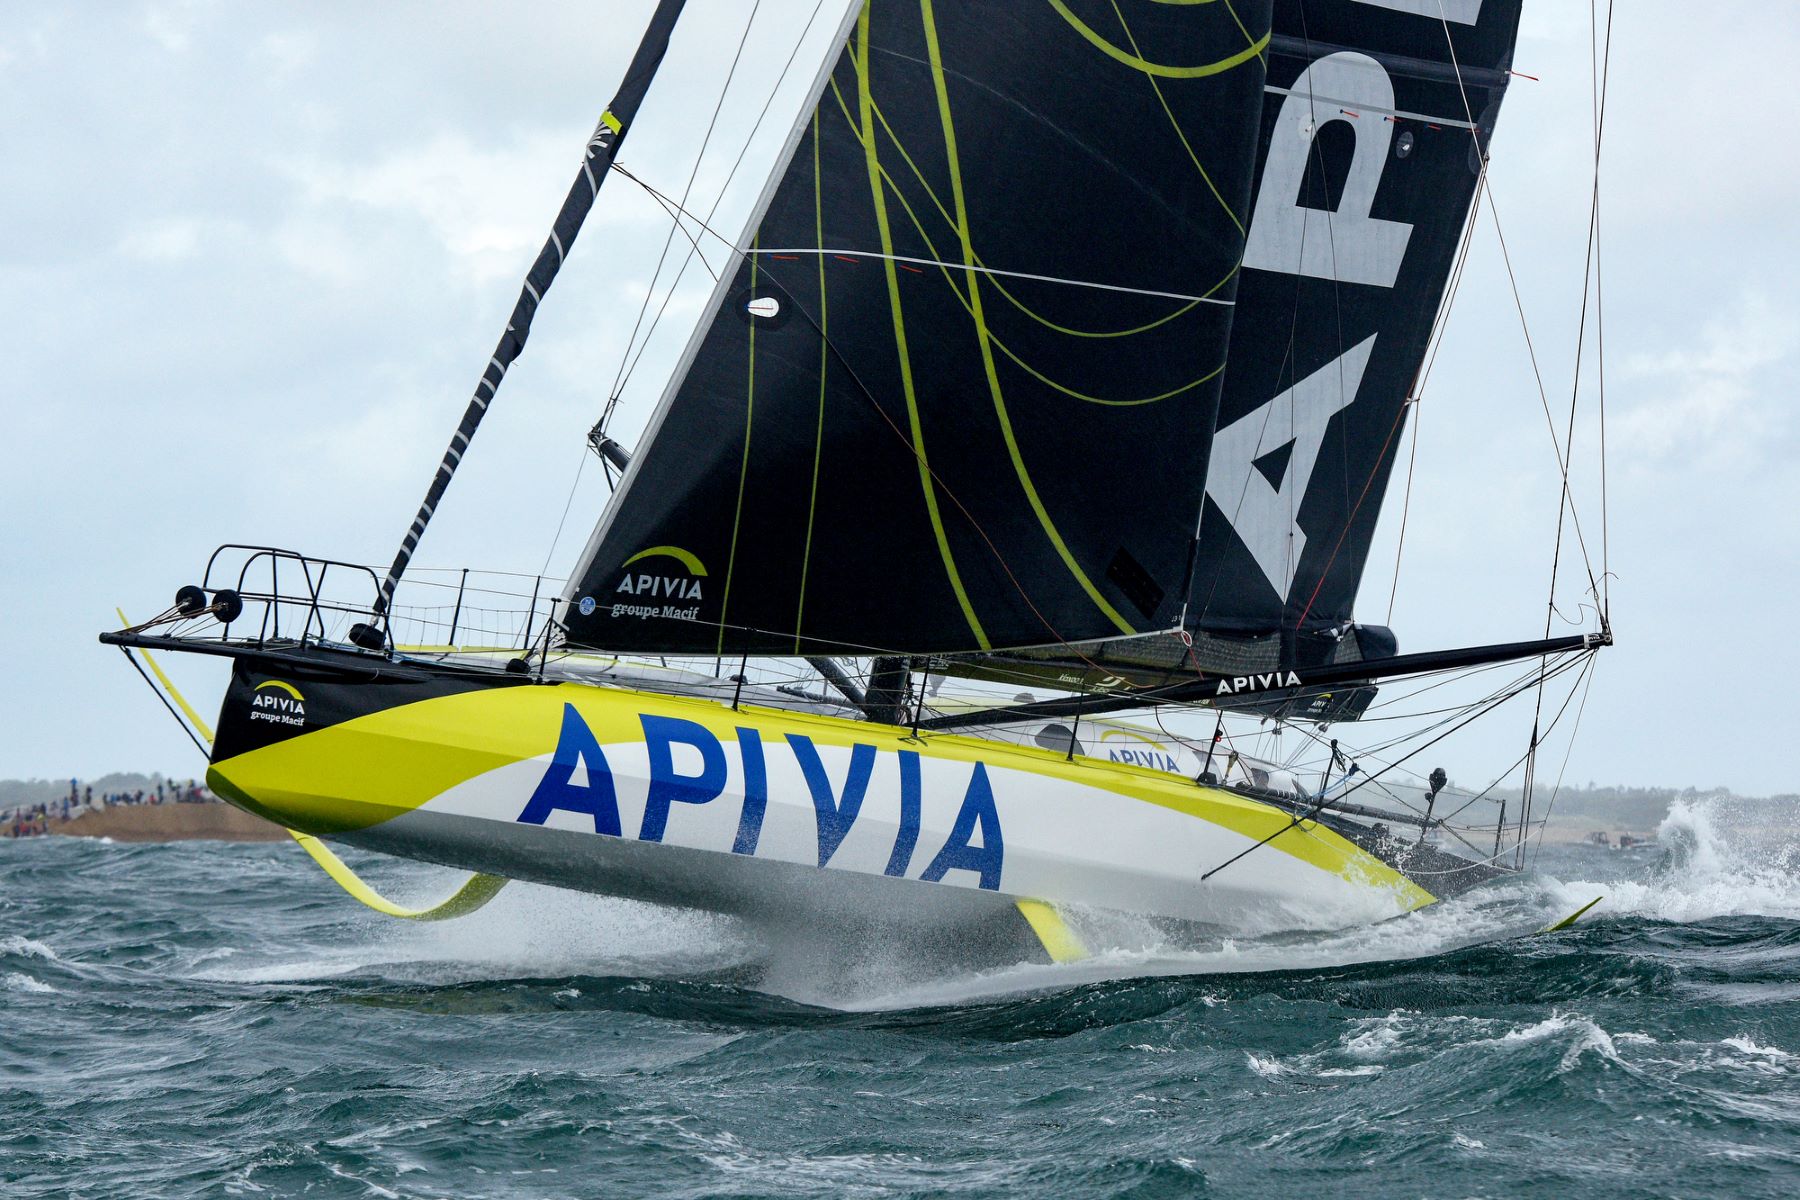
(1375, 121)
(596, 164)
(954, 394)
(1375, 125)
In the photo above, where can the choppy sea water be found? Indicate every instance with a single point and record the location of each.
(214, 1020)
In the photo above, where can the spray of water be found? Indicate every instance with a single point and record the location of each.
(1720, 857)
(1715, 860)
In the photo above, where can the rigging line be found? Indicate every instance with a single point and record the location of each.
(1486, 793)
(1440, 326)
(1543, 396)
(1206, 297)
(1567, 499)
(1481, 711)
(1514, 686)
(1586, 685)
(882, 256)
(580, 467)
(687, 189)
(1600, 312)
(1588, 264)
(724, 187)
(1518, 302)
(1412, 460)
(1343, 533)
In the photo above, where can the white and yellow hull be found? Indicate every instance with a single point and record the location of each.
(771, 813)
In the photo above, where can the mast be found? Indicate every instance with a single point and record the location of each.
(596, 162)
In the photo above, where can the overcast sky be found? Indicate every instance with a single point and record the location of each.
(255, 255)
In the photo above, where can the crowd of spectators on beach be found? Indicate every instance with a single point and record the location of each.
(33, 820)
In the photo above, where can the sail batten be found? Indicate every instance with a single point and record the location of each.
(1027, 249)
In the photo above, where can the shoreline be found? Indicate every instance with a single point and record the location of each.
(173, 822)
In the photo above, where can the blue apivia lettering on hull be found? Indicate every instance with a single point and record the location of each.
(958, 853)
(975, 843)
(906, 840)
(575, 746)
(756, 792)
(661, 735)
(837, 811)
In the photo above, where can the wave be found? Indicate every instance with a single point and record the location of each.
(1719, 861)
(24, 947)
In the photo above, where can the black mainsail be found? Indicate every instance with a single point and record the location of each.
(957, 393)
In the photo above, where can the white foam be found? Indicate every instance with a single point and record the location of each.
(1743, 1045)
(1724, 860)
(1378, 1039)
(1268, 1068)
(1588, 1036)
(15, 982)
(26, 947)
(527, 931)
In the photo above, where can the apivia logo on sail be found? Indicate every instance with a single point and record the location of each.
(669, 589)
(278, 701)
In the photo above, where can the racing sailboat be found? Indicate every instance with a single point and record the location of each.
(1057, 375)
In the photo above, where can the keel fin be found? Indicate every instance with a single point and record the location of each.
(1061, 943)
(1572, 917)
(470, 896)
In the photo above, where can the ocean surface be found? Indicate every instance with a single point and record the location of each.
(219, 1020)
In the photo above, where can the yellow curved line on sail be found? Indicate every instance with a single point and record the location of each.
(685, 557)
(477, 891)
(289, 688)
(1069, 391)
(931, 247)
(1254, 50)
(987, 354)
(1047, 323)
(861, 61)
(812, 500)
(1001, 287)
(1235, 19)
(1176, 125)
